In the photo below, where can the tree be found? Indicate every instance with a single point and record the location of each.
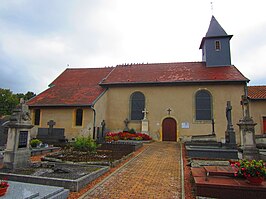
(29, 95)
(26, 96)
(8, 101)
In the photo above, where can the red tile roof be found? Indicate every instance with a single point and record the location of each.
(75, 87)
(81, 87)
(257, 92)
(172, 73)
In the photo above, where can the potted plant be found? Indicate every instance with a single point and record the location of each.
(254, 171)
(3, 186)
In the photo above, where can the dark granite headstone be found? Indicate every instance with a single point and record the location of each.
(51, 135)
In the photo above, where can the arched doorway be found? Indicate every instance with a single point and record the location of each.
(169, 129)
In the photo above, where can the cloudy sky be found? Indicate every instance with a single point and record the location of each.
(39, 39)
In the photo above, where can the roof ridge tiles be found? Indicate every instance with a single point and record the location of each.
(156, 63)
(81, 68)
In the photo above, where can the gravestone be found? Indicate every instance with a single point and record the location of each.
(206, 146)
(126, 129)
(145, 122)
(230, 136)
(101, 132)
(17, 152)
(247, 131)
(51, 135)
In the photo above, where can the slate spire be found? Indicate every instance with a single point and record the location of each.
(215, 29)
(216, 45)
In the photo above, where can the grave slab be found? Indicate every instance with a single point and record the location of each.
(220, 171)
(225, 187)
(21, 190)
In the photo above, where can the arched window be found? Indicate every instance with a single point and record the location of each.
(203, 105)
(79, 117)
(137, 104)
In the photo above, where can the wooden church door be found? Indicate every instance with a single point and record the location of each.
(169, 129)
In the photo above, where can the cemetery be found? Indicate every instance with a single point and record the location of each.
(214, 166)
(69, 167)
(192, 130)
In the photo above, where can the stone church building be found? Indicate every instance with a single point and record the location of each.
(180, 99)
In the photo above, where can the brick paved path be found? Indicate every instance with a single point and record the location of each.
(155, 173)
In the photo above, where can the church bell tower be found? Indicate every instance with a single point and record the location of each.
(216, 46)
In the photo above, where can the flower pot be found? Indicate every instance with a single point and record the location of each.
(3, 191)
(255, 180)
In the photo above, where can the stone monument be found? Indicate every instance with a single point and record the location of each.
(145, 122)
(51, 135)
(230, 136)
(17, 152)
(247, 131)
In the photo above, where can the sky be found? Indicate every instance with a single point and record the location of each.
(39, 39)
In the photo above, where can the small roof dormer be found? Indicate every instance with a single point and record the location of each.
(216, 45)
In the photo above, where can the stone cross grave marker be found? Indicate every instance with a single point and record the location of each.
(145, 122)
(126, 121)
(247, 131)
(51, 124)
(145, 113)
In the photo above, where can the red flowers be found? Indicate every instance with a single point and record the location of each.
(4, 183)
(126, 136)
(250, 168)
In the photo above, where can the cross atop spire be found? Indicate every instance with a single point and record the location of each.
(212, 7)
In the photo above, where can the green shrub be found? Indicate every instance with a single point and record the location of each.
(35, 142)
(85, 144)
(132, 131)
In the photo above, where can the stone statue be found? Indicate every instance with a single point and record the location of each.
(21, 113)
(245, 106)
(229, 115)
(230, 136)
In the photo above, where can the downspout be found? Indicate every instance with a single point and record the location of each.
(94, 121)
